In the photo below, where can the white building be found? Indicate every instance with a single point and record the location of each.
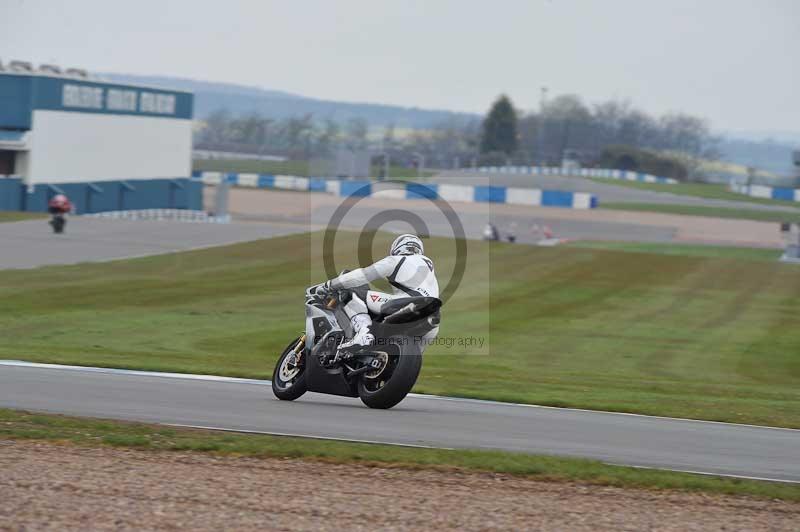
(58, 130)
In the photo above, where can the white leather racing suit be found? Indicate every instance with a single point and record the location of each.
(409, 276)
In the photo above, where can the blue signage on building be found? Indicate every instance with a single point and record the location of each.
(21, 94)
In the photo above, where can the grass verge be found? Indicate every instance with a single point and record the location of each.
(16, 216)
(698, 337)
(296, 168)
(700, 190)
(685, 250)
(714, 212)
(83, 431)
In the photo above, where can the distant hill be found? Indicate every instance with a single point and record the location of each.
(767, 150)
(770, 155)
(240, 99)
(779, 136)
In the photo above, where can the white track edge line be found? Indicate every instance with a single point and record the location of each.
(418, 446)
(133, 372)
(218, 378)
(310, 436)
(707, 473)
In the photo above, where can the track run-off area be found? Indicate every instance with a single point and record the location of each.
(247, 405)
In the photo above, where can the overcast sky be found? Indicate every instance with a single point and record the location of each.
(735, 62)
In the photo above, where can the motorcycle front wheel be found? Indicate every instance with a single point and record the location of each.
(394, 382)
(289, 376)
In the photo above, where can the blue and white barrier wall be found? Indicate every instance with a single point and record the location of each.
(285, 182)
(491, 194)
(102, 196)
(605, 173)
(763, 191)
(377, 189)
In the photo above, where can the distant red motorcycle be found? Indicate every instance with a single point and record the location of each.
(58, 206)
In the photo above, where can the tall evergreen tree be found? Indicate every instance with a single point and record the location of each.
(500, 128)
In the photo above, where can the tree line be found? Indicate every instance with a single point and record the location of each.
(568, 128)
(299, 137)
(305, 138)
(564, 128)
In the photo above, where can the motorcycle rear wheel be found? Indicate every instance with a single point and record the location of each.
(289, 383)
(395, 382)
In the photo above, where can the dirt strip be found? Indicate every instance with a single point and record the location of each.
(45, 486)
(302, 207)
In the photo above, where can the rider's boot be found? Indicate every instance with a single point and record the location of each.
(362, 337)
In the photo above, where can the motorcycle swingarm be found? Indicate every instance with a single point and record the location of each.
(331, 381)
(369, 361)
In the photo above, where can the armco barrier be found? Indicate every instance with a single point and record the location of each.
(174, 215)
(102, 196)
(604, 173)
(377, 189)
(763, 191)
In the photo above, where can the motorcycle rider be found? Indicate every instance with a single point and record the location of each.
(406, 268)
(58, 206)
(490, 232)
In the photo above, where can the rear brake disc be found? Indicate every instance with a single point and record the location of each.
(383, 360)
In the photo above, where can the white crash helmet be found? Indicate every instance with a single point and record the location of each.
(407, 245)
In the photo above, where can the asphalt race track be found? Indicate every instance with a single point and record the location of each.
(248, 405)
(96, 239)
(266, 214)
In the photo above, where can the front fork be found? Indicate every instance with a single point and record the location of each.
(297, 352)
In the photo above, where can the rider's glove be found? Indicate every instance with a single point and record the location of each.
(319, 290)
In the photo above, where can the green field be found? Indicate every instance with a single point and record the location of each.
(714, 212)
(686, 250)
(92, 432)
(296, 168)
(16, 216)
(700, 337)
(700, 190)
